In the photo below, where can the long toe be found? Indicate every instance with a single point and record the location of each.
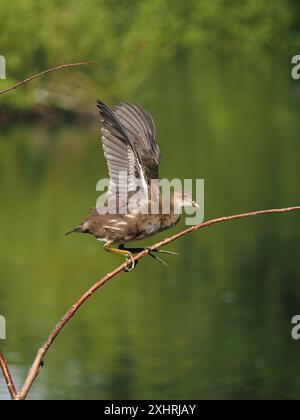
(158, 259)
(131, 264)
(163, 251)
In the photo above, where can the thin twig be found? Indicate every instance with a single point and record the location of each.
(7, 377)
(43, 73)
(35, 369)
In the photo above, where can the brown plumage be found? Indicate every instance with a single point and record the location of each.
(129, 143)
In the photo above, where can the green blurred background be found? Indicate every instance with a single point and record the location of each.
(216, 76)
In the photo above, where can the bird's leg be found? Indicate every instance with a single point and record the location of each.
(137, 250)
(151, 253)
(126, 253)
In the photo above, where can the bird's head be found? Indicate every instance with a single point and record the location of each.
(183, 199)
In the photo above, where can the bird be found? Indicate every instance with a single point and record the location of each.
(128, 135)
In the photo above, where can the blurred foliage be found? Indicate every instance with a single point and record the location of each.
(127, 40)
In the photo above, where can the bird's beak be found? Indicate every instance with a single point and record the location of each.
(195, 204)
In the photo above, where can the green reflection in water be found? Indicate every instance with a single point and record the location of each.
(215, 326)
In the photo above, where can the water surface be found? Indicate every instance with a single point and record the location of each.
(217, 325)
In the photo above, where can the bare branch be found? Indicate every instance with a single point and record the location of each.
(35, 369)
(43, 73)
(3, 364)
(7, 377)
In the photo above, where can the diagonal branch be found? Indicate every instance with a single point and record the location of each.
(43, 73)
(38, 362)
(7, 377)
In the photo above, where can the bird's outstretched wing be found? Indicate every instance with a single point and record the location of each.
(141, 132)
(125, 167)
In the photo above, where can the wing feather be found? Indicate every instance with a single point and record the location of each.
(123, 162)
(141, 131)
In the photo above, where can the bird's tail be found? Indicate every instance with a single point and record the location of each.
(77, 229)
